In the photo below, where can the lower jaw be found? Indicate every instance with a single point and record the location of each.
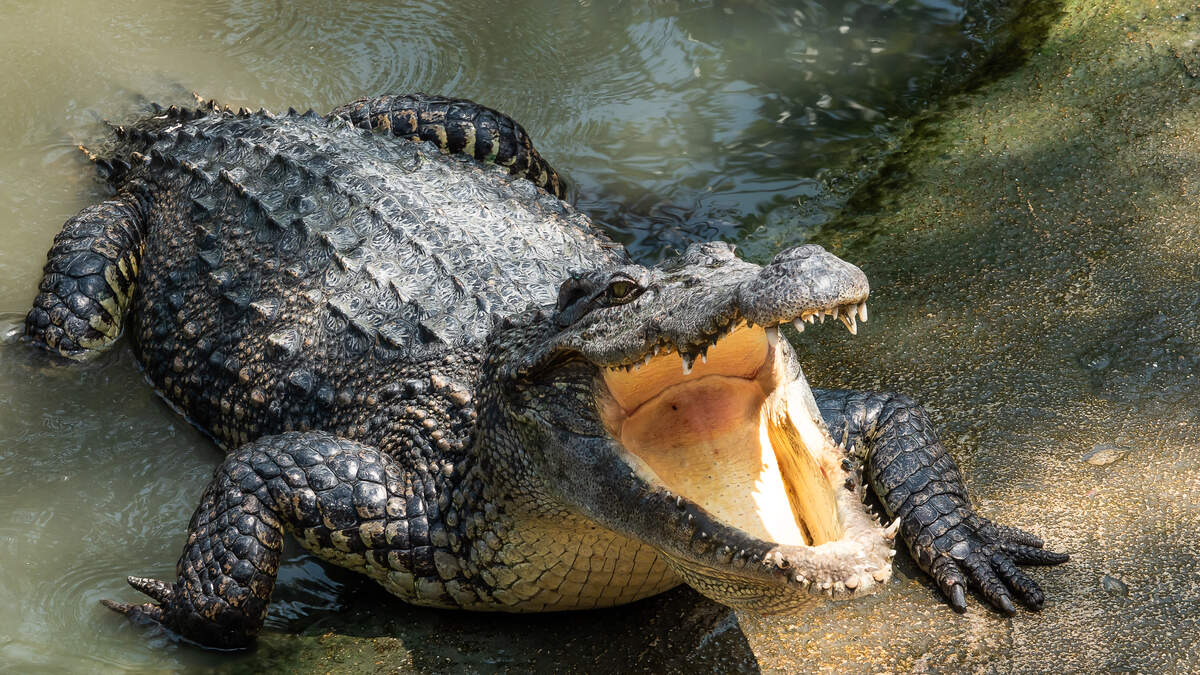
(752, 453)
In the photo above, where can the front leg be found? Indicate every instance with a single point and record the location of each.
(89, 279)
(919, 484)
(345, 499)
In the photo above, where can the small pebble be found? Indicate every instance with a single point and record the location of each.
(1114, 586)
(1103, 455)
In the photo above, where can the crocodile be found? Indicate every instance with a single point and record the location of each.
(428, 367)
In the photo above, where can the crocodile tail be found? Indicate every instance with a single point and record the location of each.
(458, 127)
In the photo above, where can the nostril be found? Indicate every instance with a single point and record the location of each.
(797, 253)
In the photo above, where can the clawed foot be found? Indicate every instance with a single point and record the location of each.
(208, 622)
(161, 592)
(977, 552)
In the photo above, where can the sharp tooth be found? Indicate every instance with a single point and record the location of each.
(810, 317)
(821, 317)
(889, 532)
(773, 336)
(646, 362)
(798, 325)
(851, 326)
(687, 365)
(862, 311)
(655, 351)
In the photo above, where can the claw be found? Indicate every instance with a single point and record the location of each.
(958, 598)
(160, 591)
(1019, 582)
(1005, 605)
(144, 612)
(122, 607)
(1018, 536)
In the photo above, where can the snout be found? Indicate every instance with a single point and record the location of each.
(801, 279)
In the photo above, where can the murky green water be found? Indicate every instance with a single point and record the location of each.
(675, 121)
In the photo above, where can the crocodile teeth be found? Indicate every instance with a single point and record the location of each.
(646, 361)
(798, 324)
(851, 326)
(810, 317)
(862, 311)
(773, 336)
(889, 532)
(687, 364)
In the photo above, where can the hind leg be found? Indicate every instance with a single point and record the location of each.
(88, 280)
(458, 127)
(345, 501)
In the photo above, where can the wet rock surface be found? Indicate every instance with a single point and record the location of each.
(678, 631)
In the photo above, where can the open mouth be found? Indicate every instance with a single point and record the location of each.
(736, 432)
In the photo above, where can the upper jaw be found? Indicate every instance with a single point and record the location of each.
(694, 301)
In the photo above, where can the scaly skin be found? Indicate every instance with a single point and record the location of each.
(89, 278)
(405, 352)
(920, 486)
(458, 127)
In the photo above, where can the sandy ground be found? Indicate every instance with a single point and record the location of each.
(1035, 252)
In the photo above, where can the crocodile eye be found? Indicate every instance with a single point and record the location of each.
(621, 290)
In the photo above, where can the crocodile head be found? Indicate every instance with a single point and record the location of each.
(662, 404)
